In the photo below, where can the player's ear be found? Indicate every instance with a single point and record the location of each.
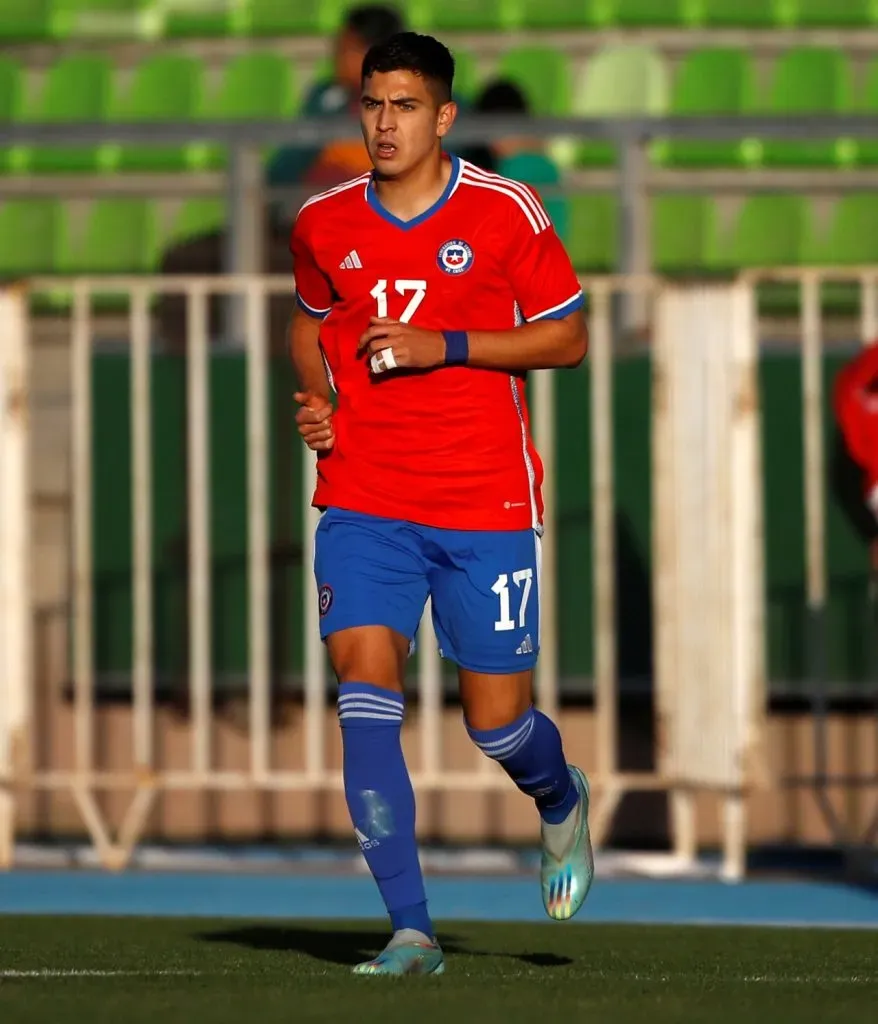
(446, 118)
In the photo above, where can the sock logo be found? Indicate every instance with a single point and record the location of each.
(365, 842)
(324, 599)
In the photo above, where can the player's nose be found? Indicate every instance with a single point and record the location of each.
(387, 118)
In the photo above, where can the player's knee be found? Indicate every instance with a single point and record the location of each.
(493, 702)
(369, 654)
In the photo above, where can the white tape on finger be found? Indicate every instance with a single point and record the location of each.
(383, 360)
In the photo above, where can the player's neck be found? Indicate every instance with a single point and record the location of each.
(410, 196)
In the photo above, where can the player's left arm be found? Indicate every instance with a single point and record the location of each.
(553, 333)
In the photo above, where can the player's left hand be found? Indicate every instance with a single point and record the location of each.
(392, 345)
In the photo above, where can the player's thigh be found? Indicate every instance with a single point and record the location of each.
(486, 600)
(369, 654)
(371, 590)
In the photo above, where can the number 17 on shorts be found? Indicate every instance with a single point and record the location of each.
(487, 616)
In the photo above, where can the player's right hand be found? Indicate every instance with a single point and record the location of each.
(314, 421)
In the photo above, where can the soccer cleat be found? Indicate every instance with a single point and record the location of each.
(405, 958)
(566, 880)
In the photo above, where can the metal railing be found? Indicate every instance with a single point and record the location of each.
(246, 141)
(317, 770)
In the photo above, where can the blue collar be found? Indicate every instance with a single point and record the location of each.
(406, 225)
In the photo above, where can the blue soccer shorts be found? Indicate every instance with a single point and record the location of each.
(484, 586)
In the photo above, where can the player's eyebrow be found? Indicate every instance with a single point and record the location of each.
(396, 103)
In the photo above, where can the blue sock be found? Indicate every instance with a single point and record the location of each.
(530, 751)
(381, 800)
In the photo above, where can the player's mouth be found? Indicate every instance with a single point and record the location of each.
(385, 150)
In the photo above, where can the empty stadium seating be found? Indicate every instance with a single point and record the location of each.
(620, 80)
(690, 233)
(26, 20)
(259, 78)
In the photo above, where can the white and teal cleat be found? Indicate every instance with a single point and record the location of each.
(567, 866)
(405, 958)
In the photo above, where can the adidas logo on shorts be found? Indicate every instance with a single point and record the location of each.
(526, 646)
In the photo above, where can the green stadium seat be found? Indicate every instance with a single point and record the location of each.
(77, 88)
(852, 238)
(620, 81)
(197, 217)
(542, 74)
(867, 149)
(770, 231)
(119, 236)
(23, 21)
(206, 21)
(835, 13)
(546, 14)
(167, 87)
(736, 13)
(106, 19)
(592, 236)
(11, 91)
(682, 227)
(474, 15)
(644, 13)
(810, 80)
(466, 74)
(12, 108)
(31, 231)
(286, 18)
(255, 85)
(713, 81)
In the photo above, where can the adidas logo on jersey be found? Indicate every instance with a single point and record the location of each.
(526, 646)
(351, 261)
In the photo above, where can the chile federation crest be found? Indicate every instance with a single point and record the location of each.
(455, 257)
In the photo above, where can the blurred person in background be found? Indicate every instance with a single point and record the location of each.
(314, 168)
(856, 410)
(499, 97)
(363, 27)
(519, 156)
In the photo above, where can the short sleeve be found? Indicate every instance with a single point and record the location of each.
(313, 291)
(537, 265)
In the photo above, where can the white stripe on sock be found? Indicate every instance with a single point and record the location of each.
(370, 714)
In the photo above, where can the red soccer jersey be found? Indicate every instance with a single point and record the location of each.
(449, 448)
(856, 409)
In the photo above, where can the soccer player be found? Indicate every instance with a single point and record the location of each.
(427, 289)
(856, 409)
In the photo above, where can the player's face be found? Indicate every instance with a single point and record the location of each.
(402, 121)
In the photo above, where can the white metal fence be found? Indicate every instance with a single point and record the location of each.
(15, 601)
(711, 721)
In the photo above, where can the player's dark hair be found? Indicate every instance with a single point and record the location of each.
(419, 54)
(373, 23)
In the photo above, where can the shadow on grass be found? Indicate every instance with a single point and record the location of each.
(343, 946)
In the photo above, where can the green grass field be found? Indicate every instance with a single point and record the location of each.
(132, 970)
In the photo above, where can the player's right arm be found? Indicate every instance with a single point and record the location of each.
(313, 304)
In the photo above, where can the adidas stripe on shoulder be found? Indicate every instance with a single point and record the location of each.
(330, 193)
(522, 195)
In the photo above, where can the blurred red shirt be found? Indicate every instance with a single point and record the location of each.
(856, 409)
